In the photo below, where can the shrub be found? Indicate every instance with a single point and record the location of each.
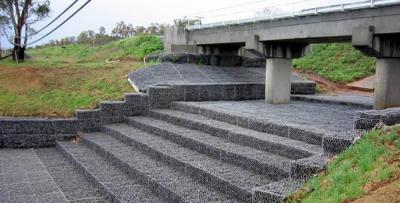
(140, 46)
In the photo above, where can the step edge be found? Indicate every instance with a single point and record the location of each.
(243, 121)
(289, 146)
(273, 196)
(128, 169)
(133, 122)
(86, 173)
(134, 143)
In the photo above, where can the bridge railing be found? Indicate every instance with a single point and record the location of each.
(361, 4)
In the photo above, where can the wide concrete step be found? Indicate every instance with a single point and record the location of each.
(164, 179)
(115, 183)
(223, 176)
(272, 165)
(263, 141)
(286, 129)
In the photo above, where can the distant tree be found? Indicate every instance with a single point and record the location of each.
(267, 12)
(120, 30)
(67, 41)
(52, 42)
(156, 29)
(19, 16)
(140, 30)
(86, 37)
(102, 30)
(183, 22)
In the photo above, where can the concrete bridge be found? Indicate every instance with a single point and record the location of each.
(375, 31)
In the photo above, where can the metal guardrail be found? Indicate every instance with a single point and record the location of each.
(304, 12)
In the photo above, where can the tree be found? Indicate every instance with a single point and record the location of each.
(20, 16)
(102, 30)
(86, 37)
(122, 30)
(183, 22)
(139, 30)
(156, 29)
(268, 12)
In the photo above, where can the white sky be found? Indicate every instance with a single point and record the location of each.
(143, 12)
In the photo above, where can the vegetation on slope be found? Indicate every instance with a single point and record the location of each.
(56, 80)
(369, 171)
(140, 46)
(338, 62)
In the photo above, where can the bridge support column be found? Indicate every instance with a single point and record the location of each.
(277, 80)
(386, 48)
(278, 70)
(387, 83)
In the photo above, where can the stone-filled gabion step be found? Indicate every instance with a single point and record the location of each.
(276, 192)
(69, 180)
(223, 176)
(284, 129)
(164, 179)
(274, 166)
(117, 185)
(263, 141)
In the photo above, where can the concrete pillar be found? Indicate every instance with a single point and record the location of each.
(277, 80)
(216, 51)
(387, 83)
(208, 50)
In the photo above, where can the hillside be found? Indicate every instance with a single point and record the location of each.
(56, 80)
(367, 172)
(338, 62)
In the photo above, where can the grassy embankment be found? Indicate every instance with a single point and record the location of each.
(56, 80)
(337, 62)
(369, 171)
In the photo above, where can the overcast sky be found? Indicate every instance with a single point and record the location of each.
(143, 12)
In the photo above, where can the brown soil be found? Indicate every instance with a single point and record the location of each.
(384, 192)
(23, 80)
(332, 88)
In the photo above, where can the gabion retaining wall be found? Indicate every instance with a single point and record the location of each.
(213, 60)
(162, 96)
(369, 119)
(43, 132)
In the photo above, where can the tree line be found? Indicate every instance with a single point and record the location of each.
(17, 18)
(121, 30)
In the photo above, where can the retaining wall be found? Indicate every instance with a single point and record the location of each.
(43, 132)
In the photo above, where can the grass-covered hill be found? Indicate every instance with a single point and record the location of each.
(369, 171)
(337, 62)
(56, 80)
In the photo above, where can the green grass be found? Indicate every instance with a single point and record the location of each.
(55, 81)
(338, 62)
(32, 91)
(350, 172)
(140, 46)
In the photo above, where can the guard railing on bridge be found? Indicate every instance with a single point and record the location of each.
(361, 4)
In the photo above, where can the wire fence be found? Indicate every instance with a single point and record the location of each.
(287, 10)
